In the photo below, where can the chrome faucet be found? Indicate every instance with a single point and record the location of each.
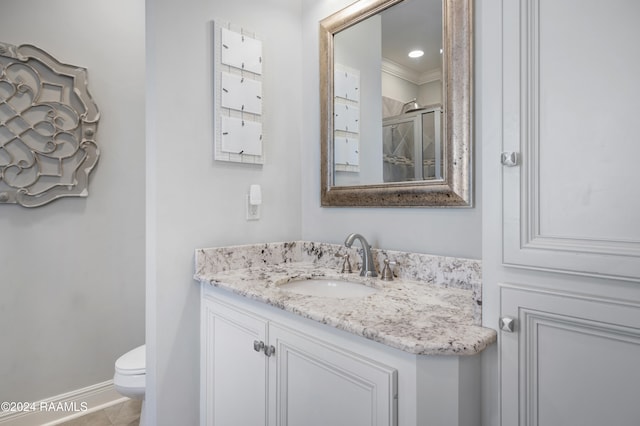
(368, 268)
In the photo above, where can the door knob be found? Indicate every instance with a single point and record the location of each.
(507, 324)
(509, 158)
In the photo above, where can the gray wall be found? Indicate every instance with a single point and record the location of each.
(72, 272)
(194, 201)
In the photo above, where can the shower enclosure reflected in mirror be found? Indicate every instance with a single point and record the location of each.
(396, 129)
(411, 146)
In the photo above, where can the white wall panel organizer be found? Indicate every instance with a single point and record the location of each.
(346, 119)
(346, 83)
(241, 136)
(241, 94)
(238, 94)
(346, 151)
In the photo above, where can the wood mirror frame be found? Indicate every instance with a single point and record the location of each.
(455, 189)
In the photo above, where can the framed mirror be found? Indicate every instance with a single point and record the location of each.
(397, 131)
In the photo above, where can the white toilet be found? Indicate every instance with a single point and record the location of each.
(130, 377)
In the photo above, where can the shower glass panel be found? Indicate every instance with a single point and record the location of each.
(399, 151)
(403, 158)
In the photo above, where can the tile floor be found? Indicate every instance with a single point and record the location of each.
(124, 414)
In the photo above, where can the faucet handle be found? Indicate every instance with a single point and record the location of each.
(346, 265)
(387, 273)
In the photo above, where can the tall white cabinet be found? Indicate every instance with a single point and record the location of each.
(572, 202)
(561, 195)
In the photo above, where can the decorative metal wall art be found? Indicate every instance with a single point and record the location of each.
(48, 124)
(238, 95)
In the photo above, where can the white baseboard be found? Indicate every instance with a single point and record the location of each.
(64, 407)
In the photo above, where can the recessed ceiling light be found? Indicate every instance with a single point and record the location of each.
(416, 53)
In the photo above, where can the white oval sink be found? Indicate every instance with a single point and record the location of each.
(319, 287)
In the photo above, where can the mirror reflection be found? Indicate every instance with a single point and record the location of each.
(388, 97)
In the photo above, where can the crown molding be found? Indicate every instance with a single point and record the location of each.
(397, 70)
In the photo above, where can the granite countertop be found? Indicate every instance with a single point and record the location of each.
(413, 316)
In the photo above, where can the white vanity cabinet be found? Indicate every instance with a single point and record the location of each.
(263, 366)
(234, 375)
(319, 384)
(257, 371)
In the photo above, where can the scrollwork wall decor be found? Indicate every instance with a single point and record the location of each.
(48, 125)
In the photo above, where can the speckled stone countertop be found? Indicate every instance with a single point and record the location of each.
(432, 307)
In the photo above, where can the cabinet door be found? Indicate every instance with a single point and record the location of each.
(234, 375)
(571, 203)
(571, 360)
(318, 384)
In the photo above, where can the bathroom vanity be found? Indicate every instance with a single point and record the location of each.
(405, 352)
